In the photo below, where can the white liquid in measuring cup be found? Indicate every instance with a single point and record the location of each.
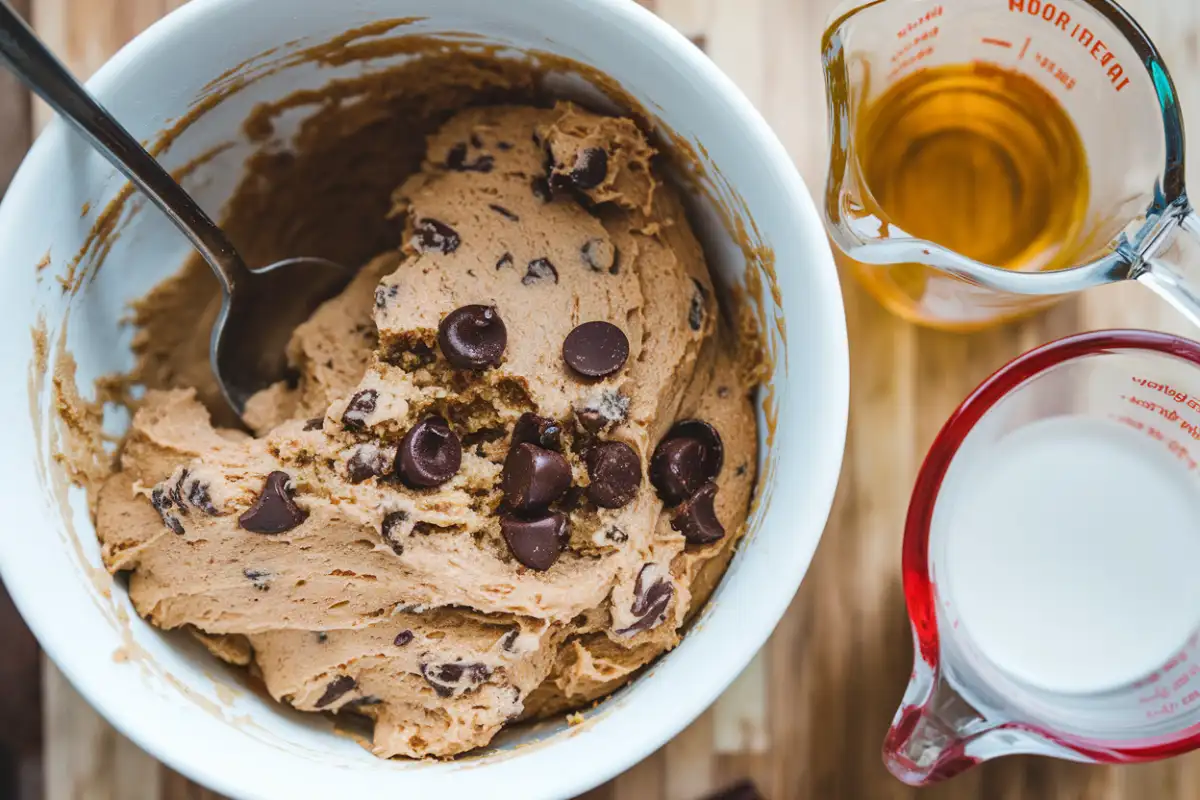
(1072, 552)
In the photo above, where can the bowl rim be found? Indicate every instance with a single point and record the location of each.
(771, 600)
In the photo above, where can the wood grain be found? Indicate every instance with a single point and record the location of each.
(807, 718)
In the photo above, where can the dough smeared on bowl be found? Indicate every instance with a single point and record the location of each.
(451, 521)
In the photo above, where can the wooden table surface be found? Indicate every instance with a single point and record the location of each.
(807, 718)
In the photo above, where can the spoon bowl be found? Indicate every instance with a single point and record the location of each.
(259, 308)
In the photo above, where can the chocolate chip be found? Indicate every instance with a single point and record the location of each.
(740, 471)
(534, 477)
(616, 535)
(504, 212)
(274, 511)
(615, 473)
(473, 337)
(535, 542)
(259, 577)
(539, 270)
(434, 235)
(367, 462)
(315, 424)
(388, 530)
(403, 638)
(476, 142)
(322, 637)
(649, 602)
(336, 688)
(162, 502)
(430, 454)
(596, 349)
(696, 518)
(504, 145)
(707, 435)
(541, 189)
(722, 392)
(505, 260)
(456, 159)
(591, 165)
(509, 639)
(537, 430)
(446, 679)
(696, 309)
(361, 406)
(599, 254)
(677, 468)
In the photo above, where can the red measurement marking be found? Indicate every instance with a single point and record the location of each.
(1051, 14)
(997, 42)
(1024, 47)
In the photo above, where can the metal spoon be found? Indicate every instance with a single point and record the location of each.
(259, 308)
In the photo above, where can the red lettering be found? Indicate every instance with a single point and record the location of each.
(1016, 5)
(1085, 37)
(1048, 11)
(1063, 19)
(1122, 84)
(1099, 45)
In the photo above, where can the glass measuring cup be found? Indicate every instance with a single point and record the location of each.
(965, 702)
(1098, 64)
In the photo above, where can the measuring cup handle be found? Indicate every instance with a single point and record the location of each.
(1170, 263)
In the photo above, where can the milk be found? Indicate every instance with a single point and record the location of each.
(1071, 552)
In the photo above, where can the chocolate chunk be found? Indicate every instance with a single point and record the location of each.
(315, 424)
(535, 542)
(591, 420)
(615, 472)
(361, 406)
(456, 159)
(541, 189)
(434, 235)
(430, 454)
(649, 602)
(740, 471)
(476, 142)
(539, 270)
(537, 430)
(177, 492)
(322, 637)
(274, 511)
(616, 535)
(599, 254)
(696, 518)
(473, 337)
(591, 165)
(336, 688)
(367, 462)
(696, 309)
(743, 789)
(534, 477)
(259, 577)
(707, 435)
(509, 639)
(403, 638)
(505, 260)
(198, 496)
(504, 212)
(504, 145)
(162, 502)
(596, 349)
(446, 679)
(677, 468)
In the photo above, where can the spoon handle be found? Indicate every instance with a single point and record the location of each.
(36, 66)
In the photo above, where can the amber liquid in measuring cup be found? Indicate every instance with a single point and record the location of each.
(979, 159)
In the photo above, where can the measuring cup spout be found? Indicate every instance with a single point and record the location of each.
(928, 740)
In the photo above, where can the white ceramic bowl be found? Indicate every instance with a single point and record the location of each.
(174, 699)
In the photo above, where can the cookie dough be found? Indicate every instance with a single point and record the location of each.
(478, 503)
